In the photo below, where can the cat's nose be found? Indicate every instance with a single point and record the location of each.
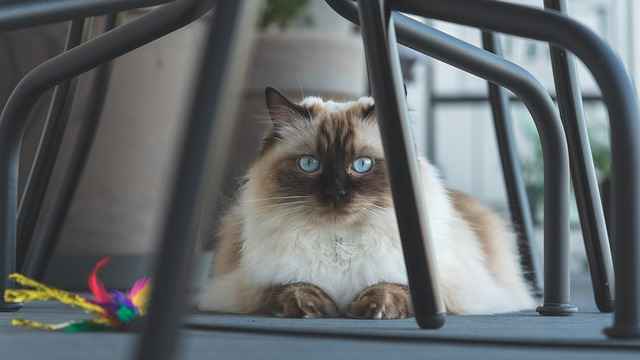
(341, 194)
(337, 197)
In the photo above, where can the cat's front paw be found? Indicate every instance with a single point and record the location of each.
(382, 301)
(301, 300)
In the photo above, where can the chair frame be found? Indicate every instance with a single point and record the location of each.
(215, 99)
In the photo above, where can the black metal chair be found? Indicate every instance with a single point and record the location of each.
(585, 183)
(379, 28)
(74, 61)
(215, 98)
(621, 102)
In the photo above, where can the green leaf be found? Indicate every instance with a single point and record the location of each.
(282, 12)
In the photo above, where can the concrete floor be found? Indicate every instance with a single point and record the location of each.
(510, 336)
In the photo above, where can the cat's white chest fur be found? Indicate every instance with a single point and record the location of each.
(340, 261)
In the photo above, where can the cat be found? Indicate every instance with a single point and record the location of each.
(313, 232)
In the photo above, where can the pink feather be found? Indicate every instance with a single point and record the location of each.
(138, 286)
(96, 286)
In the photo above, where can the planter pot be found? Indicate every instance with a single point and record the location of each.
(317, 63)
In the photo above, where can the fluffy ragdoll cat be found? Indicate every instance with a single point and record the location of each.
(314, 234)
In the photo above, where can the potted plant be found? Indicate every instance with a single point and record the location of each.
(533, 173)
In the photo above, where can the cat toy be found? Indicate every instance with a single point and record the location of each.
(110, 310)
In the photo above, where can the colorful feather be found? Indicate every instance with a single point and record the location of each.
(112, 309)
(139, 294)
(96, 286)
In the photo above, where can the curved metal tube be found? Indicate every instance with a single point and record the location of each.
(28, 13)
(585, 181)
(511, 168)
(554, 146)
(42, 231)
(72, 63)
(385, 76)
(47, 151)
(619, 95)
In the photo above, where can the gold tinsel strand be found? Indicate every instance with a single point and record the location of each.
(37, 325)
(42, 292)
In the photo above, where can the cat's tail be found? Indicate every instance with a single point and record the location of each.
(498, 242)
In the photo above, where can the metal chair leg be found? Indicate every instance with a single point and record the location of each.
(556, 160)
(60, 68)
(217, 95)
(585, 183)
(622, 104)
(555, 153)
(511, 168)
(46, 152)
(380, 46)
(42, 233)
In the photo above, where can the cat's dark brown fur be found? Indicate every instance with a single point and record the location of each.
(299, 300)
(382, 301)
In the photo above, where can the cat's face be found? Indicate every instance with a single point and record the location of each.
(323, 160)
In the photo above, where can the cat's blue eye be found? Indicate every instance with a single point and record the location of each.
(308, 163)
(362, 165)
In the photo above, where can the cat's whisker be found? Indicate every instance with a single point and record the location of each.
(283, 204)
(278, 198)
(296, 207)
(282, 216)
(371, 204)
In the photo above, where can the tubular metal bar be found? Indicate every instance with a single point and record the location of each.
(475, 99)
(28, 13)
(620, 97)
(556, 159)
(381, 53)
(46, 229)
(554, 146)
(511, 169)
(208, 124)
(62, 67)
(47, 151)
(585, 183)
(431, 126)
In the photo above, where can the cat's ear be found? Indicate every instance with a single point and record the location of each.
(368, 112)
(369, 109)
(281, 109)
(366, 108)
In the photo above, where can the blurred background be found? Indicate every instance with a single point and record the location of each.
(303, 48)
